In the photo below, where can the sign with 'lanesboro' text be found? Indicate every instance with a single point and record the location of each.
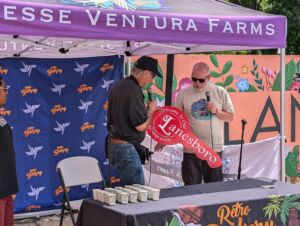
(171, 126)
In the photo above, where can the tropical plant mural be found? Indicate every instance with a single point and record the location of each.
(286, 207)
(222, 71)
(292, 164)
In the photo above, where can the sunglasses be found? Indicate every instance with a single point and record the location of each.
(4, 88)
(201, 80)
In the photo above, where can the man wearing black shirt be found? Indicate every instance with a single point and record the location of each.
(8, 175)
(129, 118)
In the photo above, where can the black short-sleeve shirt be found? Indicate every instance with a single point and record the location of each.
(126, 110)
(8, 174)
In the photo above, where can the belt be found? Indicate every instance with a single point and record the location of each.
(118, 141)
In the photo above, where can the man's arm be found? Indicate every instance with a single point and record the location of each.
(224, 115)
(144, 126)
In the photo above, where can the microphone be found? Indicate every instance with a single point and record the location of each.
(149, 94)
(244, 122)
(207, 93)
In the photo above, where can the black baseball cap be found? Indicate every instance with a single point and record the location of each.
(148, 63)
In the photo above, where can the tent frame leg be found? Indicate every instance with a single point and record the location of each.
(282, 115)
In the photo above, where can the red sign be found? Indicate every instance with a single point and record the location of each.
(171, 126)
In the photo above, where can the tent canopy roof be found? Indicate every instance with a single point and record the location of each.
(81, 28)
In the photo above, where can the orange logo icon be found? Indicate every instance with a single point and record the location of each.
(106, 67)
(33, 173)
(30, 131)
(4, 112)
(60, 150)
(114, 180)
(84, 88)
(86, 126)
(27, 90)
(32, 207)
(54, 70)
(58, 191)
(58, 108)
(3, 71)
(105, 106)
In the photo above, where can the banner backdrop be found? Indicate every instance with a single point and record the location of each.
(165, 168)
(57, 109)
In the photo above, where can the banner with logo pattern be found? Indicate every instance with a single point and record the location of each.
(57, 109)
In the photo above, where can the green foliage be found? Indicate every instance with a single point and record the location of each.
(282, 206)
(273, 207)
(225, 69)
(174, 222)
(290, 9)
(291, 162)
(228, 80)
(231, 90)
(214, 74)
(251, 88)
(287, 204)
(214, 60)
(254, 72)
(290, 70)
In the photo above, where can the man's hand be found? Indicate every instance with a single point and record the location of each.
(152, 105)
(212, 107)
(159, 146)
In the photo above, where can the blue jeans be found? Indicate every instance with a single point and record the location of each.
(126, 158)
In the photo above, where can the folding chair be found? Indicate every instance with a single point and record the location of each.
(76, 171)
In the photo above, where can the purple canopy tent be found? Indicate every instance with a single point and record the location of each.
(83, 28)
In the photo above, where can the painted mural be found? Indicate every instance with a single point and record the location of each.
(253, 82)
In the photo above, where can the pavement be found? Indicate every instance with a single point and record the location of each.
(52, 220)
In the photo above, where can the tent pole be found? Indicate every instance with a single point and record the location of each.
(169, 79)
(128, 61)
(282, 113)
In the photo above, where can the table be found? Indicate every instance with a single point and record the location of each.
(222, 203)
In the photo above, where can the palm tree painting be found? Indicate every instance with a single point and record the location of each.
(286, 207)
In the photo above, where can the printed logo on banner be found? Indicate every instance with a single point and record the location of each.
(87, 146)
(85, 105)
(80, 68)
(57, 88)
(87, 126)
(4, 112)
(33, 151)
(28, 90)
(86, 187)
(84, 88)
(34, 173)
(30, 109)
(58, 108)
(32, 207)
(107, 84)
(3, 71)
(61, 127)
(105, 123)
(105, 106)
(58, 191)
(35, 191)
(60, 150)
(31, 130)
(106, 67)
(27, 68)
(54, 70)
